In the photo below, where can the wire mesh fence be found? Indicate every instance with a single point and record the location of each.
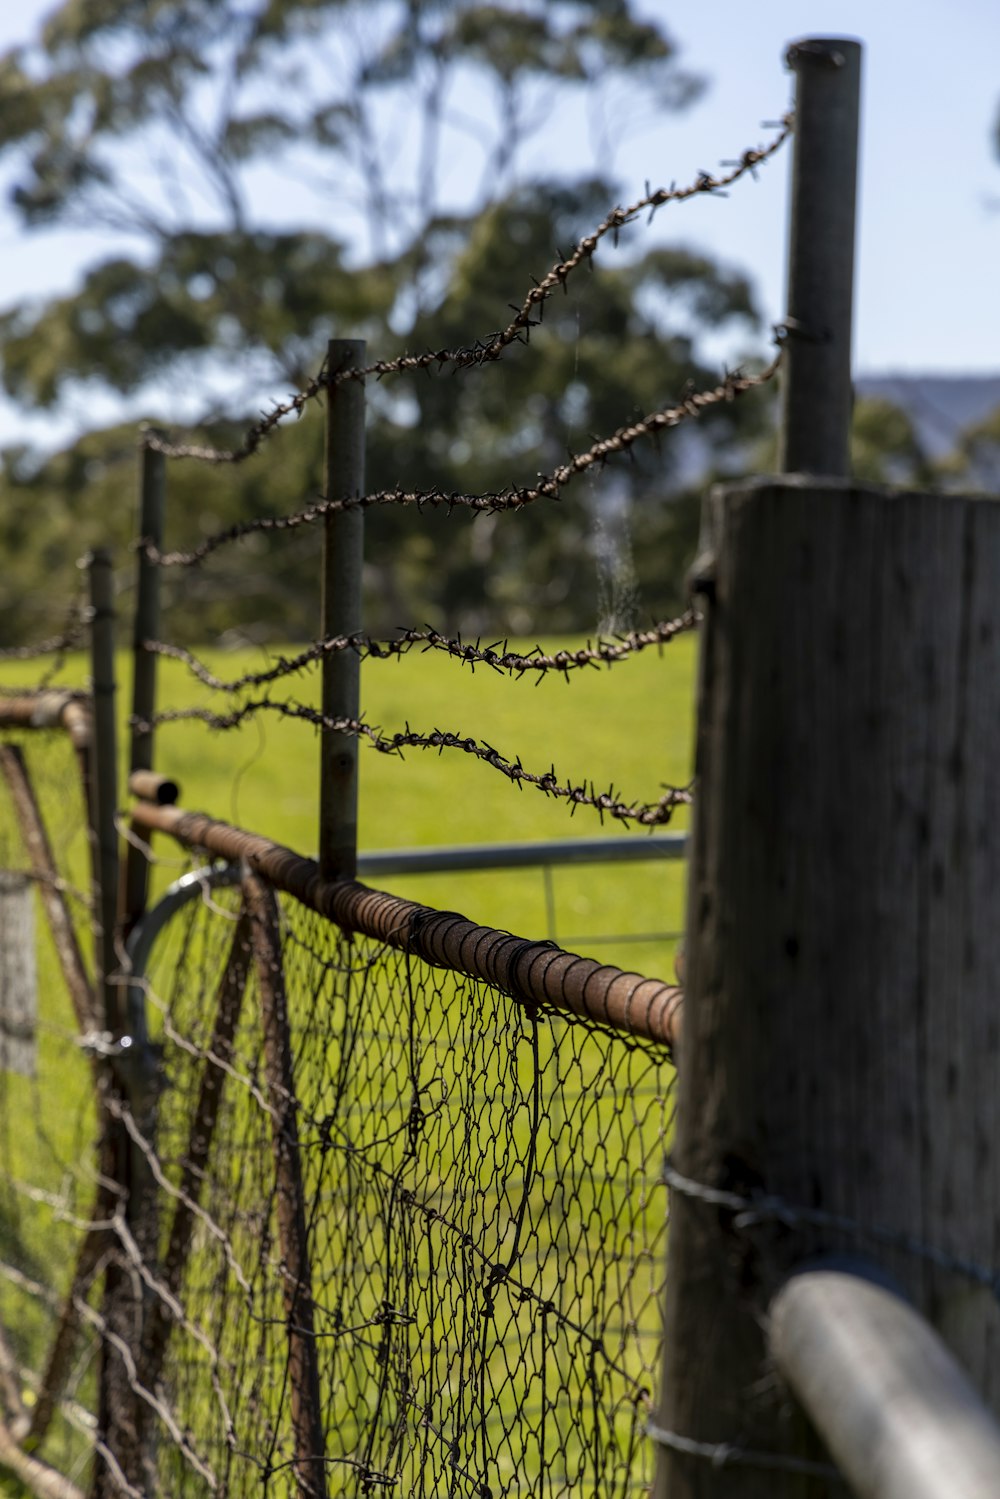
(364, 1198)
(385, 1226)
(343, 1194)
(412, 1226)
(54, 1198)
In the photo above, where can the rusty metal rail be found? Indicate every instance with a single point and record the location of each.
(49, 710)
(537, 973)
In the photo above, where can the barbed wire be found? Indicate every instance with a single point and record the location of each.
(72, 634)
(493, 346)
(646, 814)
(52, 646)
(749, 1212)
(514, 497)
(497, 657)
(733, 1455)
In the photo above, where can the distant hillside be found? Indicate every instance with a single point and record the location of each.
(939, 406)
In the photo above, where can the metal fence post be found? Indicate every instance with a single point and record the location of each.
(751, 1071)
(343, 557)
(816, 380)
(105, 776)
(115, 1415)
(146, 624)
(901, 1417)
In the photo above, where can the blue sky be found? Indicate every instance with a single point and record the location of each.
(928, 298)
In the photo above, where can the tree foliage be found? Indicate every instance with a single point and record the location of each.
(276, 172)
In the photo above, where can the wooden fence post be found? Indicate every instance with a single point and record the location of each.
(343, 559)
(840, 1061)
(121, 1304)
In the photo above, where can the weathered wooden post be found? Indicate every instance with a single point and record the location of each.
(841, 1045)
(840, 1060)
(343, 560)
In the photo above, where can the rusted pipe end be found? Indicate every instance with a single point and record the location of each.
(150, 787)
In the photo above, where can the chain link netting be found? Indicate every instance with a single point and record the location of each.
(399, 1208)
(53, 1202)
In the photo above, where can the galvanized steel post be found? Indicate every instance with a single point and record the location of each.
(816, 394)
(900, 1417)
(343, 558)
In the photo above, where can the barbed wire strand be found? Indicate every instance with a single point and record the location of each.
(514, 497)
(54, 645)
(493, 346)
(72, 635)
(498, 657)
(751, 1211)
(646, 814)
(732, 1455)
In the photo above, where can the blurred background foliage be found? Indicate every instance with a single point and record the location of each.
(274, 171)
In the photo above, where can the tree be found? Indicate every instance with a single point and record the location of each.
(974, 464)
(175, 124)
(885, 447)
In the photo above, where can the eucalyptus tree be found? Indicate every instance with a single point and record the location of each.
(260, 175)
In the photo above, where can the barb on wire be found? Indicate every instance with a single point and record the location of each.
(55, 645)
(645, 814)
(492, 347)
(487, 350)
(498, 657)
(514, 497)
(732, 1454)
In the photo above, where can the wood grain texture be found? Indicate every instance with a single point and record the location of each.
(841, 1045)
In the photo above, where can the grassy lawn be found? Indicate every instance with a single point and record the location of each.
(630, 727)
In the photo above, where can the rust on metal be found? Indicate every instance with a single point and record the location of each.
(69, 711)
(537, 973)
(49, 710)
(36, 841)
(229, 1004)
(150, 787)
(290, 1203)
(59, 1365)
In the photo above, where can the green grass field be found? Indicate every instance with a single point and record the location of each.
(630, 726)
